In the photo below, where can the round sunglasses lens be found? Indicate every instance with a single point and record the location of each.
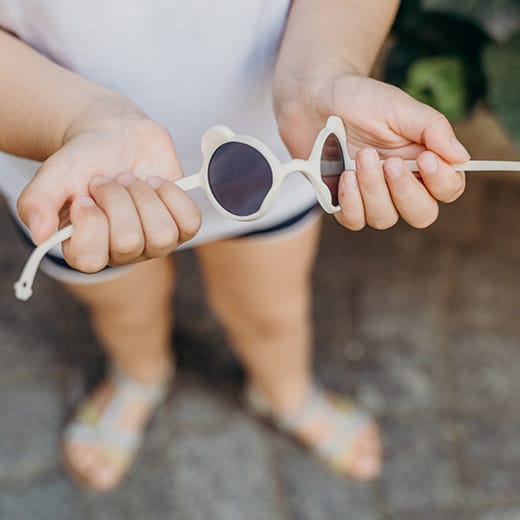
(240, 178)
(332, 165)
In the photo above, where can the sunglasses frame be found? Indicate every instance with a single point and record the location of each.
(311, 169)
(217, 136)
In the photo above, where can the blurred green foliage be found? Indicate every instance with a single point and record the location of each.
(453, 53)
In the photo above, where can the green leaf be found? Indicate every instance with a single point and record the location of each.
(502, 67)
(439, 82)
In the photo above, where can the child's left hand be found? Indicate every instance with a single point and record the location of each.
(382, 122)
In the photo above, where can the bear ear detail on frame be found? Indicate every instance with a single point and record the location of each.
(214, 137)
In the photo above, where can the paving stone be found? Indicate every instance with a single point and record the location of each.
(420, 470)
(485, 292)
(490, 456)
(30, 421)
(314, 492)
(400, 306)
(482, 513)
(195, 402)
(223, 473)
(21, 355)
(50, 498)
(485, 366)
(397, 377)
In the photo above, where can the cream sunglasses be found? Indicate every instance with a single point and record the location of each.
(242, 177)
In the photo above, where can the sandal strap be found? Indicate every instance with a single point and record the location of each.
(105, 429)
(346, 417)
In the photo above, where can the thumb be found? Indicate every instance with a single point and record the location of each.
(422, 124)
(40, 203)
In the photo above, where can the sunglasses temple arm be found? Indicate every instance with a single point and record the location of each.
(190, 182)
(476, 166)
(23, 286)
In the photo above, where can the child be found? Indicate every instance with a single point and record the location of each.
(95, 90)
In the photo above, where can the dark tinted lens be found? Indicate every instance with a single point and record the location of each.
(332, 165)
(239, 177)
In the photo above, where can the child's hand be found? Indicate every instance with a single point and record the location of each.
(113, 180)
(381, 121)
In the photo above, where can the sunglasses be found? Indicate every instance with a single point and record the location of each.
(242, 177)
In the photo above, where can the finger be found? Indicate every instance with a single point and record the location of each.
(87, 249)
(352, 214)
(422, 124)
(41, 200)
(160, 230)
(184, 211)
(412, 200)
(443, 182)
(380, 212)
(126, 235)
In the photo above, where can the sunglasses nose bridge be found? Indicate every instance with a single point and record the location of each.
(297, 165)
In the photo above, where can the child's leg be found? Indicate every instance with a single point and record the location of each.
(131, 316)
(260, 289)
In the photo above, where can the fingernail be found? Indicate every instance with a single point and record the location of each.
(369, 159)
(459, 148)
(428, 163)
(85, 201)
(154, 182)
(349, 181)
(99, 180)
(394, 169)
(35, 222)
(126, 179)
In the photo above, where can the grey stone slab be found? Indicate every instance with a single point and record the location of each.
(23, 356)
(49, 498)
(420, 471)
(196, 402)
(402, 305)
(485, 366)
(397, 377)
(31, 413)
(469, 513)
(490, 457)
(485, 292)
(313, 492)
(223, 473)
(498, 514)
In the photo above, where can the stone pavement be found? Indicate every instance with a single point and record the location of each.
(422, 326)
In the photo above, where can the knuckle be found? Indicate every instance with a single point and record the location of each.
(425, 221)
(163, 238)
(452, 194)
(190, 226)
(384, 222)
(88, 263)
(351, 223)
(127, 244)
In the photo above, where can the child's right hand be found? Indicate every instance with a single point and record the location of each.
(113, 180)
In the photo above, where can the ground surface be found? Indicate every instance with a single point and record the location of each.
(423, 327)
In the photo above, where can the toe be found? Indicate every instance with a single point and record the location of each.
(366, 460)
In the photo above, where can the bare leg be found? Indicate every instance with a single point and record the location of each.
(260, 289)
(132, 318)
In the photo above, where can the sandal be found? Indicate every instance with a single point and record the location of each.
(337, 449)
(100, 428)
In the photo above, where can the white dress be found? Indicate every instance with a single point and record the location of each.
(190, 64)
